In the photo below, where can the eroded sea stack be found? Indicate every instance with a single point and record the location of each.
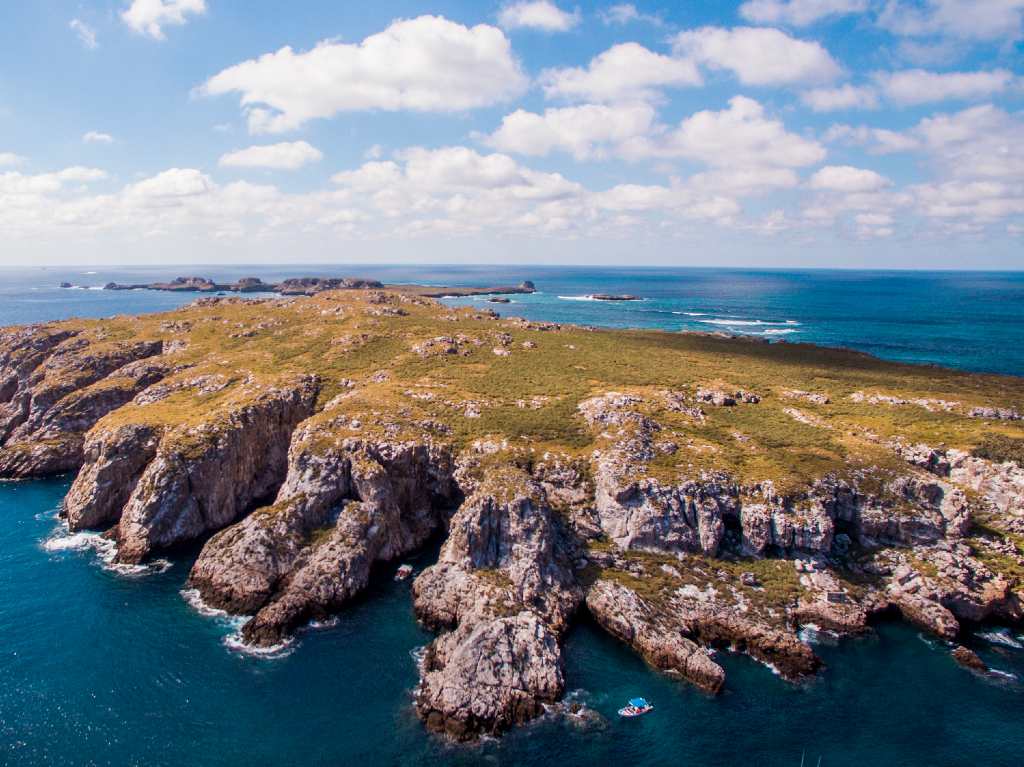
(691, 492)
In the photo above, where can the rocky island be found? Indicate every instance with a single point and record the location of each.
(690, 492)
(308, 286)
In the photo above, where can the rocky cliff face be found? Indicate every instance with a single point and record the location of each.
(54, 385)
(191, 478)
(681, 499)
(504, 588)
(345, 504)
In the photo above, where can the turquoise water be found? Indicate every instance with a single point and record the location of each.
(970, 320)
(99, 667)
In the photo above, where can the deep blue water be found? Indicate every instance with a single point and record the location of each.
(110, 669)
(99, 667)
(970, 320)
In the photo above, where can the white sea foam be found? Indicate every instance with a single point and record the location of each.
(927, 640)
(745, 323)
(95, 287)
(780, 331)
(1004, 674)
(1001, 636)
(577, 298)
(233, 642)
(418, 655)
(195, 601)
(813, 634)
(104, 548)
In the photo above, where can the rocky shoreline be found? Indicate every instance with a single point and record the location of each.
(687, 501)
(308, 286)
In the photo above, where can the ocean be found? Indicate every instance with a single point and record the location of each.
(107, 667)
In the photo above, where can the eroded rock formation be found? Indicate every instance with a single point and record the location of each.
(313, 438)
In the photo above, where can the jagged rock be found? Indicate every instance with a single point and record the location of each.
(198, 478)
(489, 675)
(926, 614)
(968, 659)
(657, 636)
(936, 511)
(782, 650)
(310, 551)
(841, 617)
(503, 582)
(113, 460)
(51, 441)
(38, 368)
(722, 398)
(813, 397)
(995, 413)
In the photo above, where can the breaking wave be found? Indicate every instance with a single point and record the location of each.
(746, 323)
(105, 550)
(1002, 637)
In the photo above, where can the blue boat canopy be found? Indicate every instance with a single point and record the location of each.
(638, 702)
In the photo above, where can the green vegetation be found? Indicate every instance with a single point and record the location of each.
(366, 348)
(1001, 448)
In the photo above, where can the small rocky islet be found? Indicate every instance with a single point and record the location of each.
(691, 492)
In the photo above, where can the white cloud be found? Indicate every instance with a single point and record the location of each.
(980, 202)
(10, 159)
(842, 97)
(86, 34)
(627, 13)
(81, 174)
(977, 157)
(982, 141)
(917, 86)
(14, 183)
(283, 156)
(975, 20)
(170, 186)
(739, 137)
(149, 17)
(878, 140)
(744, 181)
(758, 56)
(427, 64)
(585, 131)
(627, 71)
(95, 137)
(845, 178)
(798, 13)
(537, 14)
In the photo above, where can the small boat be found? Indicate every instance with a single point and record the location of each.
(636, 707)
(403, 572)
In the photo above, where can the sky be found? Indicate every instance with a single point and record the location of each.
(767, 133)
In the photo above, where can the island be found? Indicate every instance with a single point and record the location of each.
(615, 297)
(307, 286)
(691, 493)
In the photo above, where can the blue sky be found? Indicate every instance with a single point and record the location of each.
(829, 133)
